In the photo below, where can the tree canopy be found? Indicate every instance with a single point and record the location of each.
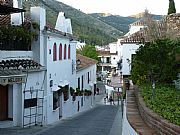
(172, 8)
(89, 51)
(156, 61)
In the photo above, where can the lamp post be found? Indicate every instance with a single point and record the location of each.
(102, 61)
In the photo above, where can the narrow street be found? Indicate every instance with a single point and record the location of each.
(103, 119)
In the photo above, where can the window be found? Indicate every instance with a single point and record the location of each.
(60, 52)
(107, 60)
(65, 51)
(55, 100)
(79, 82)
(82, 82)
(54, 52)
(88, 77)
(69, 51)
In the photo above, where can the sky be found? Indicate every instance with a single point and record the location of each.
(122, 7)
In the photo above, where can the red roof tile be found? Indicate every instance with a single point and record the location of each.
(85, 62)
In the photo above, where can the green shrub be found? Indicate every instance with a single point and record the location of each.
(98, 78)
(166, 102)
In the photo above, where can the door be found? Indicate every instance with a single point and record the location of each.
(3, 102)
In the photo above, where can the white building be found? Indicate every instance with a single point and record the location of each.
(86, 78)
(129, 45)
(110, 57)
(35, 85)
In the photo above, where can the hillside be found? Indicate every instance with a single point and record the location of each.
(85, 27)
(140, 15)
(119, 22)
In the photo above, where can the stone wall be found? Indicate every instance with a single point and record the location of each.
(173, 23)
(161, 125)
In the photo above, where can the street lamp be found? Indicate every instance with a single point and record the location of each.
(78, 62)
(102, 61)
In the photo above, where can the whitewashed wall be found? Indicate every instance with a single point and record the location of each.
(70, 107)
(127, 129)
(84, 73)
(113, 47)
(6, 55)
(127, 51)
(34, 82)
(134, 29)
(114, 60)
(58, 71)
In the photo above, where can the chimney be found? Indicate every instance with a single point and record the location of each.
(38, 15)
(61, 22)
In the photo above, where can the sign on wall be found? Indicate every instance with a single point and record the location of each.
(12, 80)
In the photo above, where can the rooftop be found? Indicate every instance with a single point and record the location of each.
(85, 62)
(20, 64)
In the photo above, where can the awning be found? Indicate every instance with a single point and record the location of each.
(55, 88)
(4, 10)
(63, 83)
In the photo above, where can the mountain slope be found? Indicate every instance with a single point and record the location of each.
(85, 27)
(120, 22)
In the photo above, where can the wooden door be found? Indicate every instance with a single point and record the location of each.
(3, 102)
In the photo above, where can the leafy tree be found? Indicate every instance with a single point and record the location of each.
(155, 61)
(89, 51)
(172, 8)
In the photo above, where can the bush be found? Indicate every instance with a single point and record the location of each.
(98, 78)
(166, 102)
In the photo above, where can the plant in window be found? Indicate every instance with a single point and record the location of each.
(87, 92)
(78, 92)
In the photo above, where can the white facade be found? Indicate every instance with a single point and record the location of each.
(80, 45)
(127, 51)
(134, 28)
(129, 46)
(88, 83)
(55, 51)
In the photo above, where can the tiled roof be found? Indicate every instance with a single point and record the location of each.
(19, 64)
(51, 29)
(103, 53)
(139, 23)
(137, 37)
(85, 62)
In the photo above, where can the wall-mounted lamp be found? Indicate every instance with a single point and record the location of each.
(78, 61)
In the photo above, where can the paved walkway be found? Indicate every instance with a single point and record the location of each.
(134, 116)
(103, 119)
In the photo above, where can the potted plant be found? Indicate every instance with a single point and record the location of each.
(78, 92)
